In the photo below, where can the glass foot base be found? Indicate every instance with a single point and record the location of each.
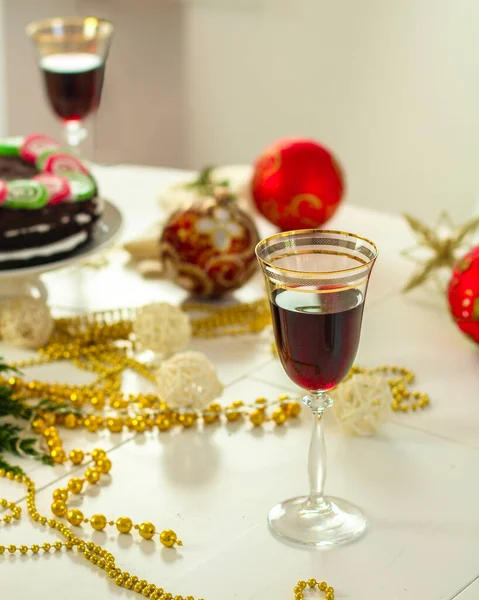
(329, 522)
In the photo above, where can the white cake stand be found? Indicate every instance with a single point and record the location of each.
(25, 281)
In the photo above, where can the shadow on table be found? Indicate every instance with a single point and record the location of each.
(191, 457)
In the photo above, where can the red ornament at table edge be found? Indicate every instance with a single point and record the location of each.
(207, 247)
(297, 184)
(463, 294)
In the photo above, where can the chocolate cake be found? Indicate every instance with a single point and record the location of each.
(49, 202)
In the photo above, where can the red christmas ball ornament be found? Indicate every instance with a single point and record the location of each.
(208, 247)
(297, 184)
(463, 294)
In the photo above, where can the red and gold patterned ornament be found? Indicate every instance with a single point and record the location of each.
(463, 294)
(297, 184)
(208, 246)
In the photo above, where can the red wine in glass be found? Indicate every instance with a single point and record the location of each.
(74, 82)
(317, 335)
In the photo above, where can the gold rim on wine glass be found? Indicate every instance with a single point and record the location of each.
(282, 234)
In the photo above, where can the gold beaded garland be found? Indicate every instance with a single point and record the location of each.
(74, 485)
(92, 475)
(59, 508)
(99, 522)
(38, 426)
(76, 456)
(104, 464)
(58, 455)
(100, 557)
(157, 414)
(124, 524)
(168, 538)
(15, 511)
(154, 413)
(399, 378)
(75, 516)
(257, 417)
(147, 530)
(312, 583)
(279, 416)
(92, 552)
(89, 343)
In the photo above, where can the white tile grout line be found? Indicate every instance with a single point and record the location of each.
(250, 372)
(463, 589)
(394, 421)
(438, 435)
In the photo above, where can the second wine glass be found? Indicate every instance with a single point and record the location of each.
(317, 282)
(72, 54)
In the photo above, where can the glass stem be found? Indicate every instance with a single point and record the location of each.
(318, 402)
(75, 133)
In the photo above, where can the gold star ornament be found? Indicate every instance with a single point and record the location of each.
(437, 247)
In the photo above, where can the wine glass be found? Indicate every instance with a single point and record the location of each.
(72, 52)
(317, 282)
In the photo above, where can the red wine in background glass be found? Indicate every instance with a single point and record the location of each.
(317, 335)
(73, 82)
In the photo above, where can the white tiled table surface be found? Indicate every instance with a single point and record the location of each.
(417, 479)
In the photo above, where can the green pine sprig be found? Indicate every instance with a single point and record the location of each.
(11, 439)
(12, 407)
(205, 184)
(15, 469)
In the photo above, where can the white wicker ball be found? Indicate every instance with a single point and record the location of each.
(189, 380)
(26, 322)
(162, 328)
(362, 403)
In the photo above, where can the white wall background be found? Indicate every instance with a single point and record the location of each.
(392, 86)
(3, 95)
